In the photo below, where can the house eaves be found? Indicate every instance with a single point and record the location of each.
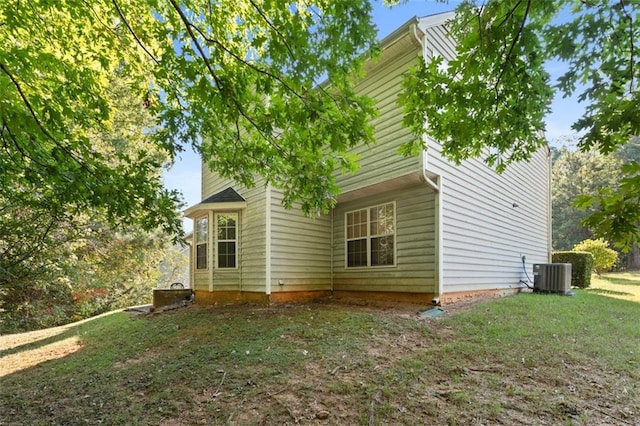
(406, 37)
(435, 20)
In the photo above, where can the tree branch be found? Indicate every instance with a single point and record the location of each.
(262, 71)
(249, 64)
(126, 23)
(510, 13)
(41, 126)
(270, 24)
(28, 104)
(631, 44)
(5, 127)
(515, 40)
(219, 85)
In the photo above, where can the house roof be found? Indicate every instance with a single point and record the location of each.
(228, 195)
(423, 22)
(408, 35)
(227, 199)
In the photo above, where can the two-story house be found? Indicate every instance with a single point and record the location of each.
(406, 228)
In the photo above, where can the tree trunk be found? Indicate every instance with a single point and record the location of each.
(633, 258)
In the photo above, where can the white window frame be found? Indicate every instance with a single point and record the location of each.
(206, 241)
(368, 237)
(236, 240)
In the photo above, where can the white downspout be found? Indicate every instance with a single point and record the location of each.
(331, 241)
(437, 188)
(267, 221)
(211, 217)
(549, 209)
(438, 230)
(240, 244)
(423, 158)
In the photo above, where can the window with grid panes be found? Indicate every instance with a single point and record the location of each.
(201, 235)
(227, 233)
(370, 235)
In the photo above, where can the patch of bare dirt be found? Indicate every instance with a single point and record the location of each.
(362, 388)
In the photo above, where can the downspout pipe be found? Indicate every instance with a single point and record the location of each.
(549, 207)
(423, 157)
(267, 219)
(436, 187)
(331, 260)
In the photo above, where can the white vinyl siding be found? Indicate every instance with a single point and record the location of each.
(439, 44)
(484, 235)
(414, 270)
(300, 248)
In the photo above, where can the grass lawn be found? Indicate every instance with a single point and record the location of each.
(528, 359)
(622, 285)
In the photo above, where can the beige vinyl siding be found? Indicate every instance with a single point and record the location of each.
(253, 246)
(300, 248)
(250, 274)
(201, 279)
(484, 235)
(380, 161)
(414, 271)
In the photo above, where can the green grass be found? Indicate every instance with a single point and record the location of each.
(625, 285)
(528, 359)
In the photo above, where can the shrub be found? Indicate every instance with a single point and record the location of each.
(31, 305)
(603, 257)
(581, 265)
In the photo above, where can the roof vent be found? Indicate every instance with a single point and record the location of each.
(552, 278)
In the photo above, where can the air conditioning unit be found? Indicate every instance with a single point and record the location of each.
(552, 278)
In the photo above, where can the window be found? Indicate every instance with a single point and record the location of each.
(371, 236)
(202, 232)
(227, 227)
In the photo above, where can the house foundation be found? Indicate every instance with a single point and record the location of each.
(474, 295)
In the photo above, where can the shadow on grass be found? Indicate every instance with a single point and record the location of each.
(30, 340)
(620, 281)
(606, 292)
(22, 351)
(40, 342)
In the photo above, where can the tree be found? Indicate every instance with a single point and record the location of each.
(95, 97)
(576, 173)
(496, 91)
(59, 262)
(236, 79)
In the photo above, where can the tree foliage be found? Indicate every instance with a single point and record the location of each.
(81, 269)
(493, 93)
(574, 174)
(61, 261)
(96, 97)
(496, 91)
(615, 206)
(235, 79)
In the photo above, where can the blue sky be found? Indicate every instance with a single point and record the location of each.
(185, 174)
